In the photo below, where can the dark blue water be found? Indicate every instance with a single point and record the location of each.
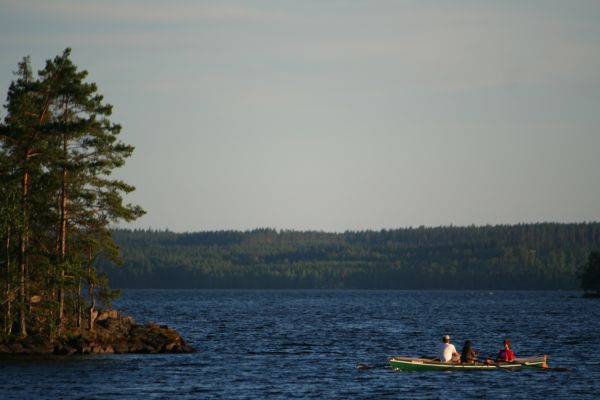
(306, 344)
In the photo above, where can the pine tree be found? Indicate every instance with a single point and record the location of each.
(23, 141)
(58, 149)
(9, 226)
(87, 150)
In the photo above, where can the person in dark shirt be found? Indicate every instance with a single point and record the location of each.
(468, 354)
(506, 354)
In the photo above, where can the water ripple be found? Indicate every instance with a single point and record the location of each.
(306, 344)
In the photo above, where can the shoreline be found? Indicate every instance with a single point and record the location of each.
(113, 333)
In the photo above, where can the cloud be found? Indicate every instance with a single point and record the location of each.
(119, 23)
(444, 48)
(113, 39)
(471, 49)
(141, 11)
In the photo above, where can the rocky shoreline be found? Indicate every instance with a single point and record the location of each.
(112, 333)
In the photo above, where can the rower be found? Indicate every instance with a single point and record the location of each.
(447, 351)
(506, 354)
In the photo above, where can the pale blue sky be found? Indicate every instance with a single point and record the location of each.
(335, 115)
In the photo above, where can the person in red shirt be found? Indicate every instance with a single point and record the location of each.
(506, 354)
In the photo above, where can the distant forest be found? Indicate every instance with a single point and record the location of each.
(527, 256)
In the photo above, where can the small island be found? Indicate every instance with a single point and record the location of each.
(113, 333)
(58, 150)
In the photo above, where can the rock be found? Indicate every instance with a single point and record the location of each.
(107, 314)
(65, 350)
(102, 315)
(137, 346)
(16, 348)
(113, 333)
(35, 299)
(38, 345)
(121, 346)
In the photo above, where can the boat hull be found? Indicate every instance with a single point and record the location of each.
(423, 364)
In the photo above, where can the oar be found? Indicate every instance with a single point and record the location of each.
(526, 364)
(370, 366)
(362, 365)
(495, 364)
(555, 369)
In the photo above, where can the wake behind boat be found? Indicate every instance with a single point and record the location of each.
(425, 364)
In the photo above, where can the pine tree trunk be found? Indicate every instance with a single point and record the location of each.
(22, 253)
(27, 288)
(79, 305)
(52, 267)
(92, 310)
(63, 244)
(7, 316)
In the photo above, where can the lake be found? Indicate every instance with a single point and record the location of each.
(306, 344)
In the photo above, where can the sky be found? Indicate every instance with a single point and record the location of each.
(337, 115)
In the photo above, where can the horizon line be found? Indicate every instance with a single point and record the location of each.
(410, 227)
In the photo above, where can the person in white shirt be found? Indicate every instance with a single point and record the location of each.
(448, 351)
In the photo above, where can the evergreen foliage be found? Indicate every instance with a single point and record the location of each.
(526, 256)
(58, 148)
(590, 277)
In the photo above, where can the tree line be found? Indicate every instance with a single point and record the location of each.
(590, 275)
(58, 148)
(524, 256)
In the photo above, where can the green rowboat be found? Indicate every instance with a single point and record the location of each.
(424, 364)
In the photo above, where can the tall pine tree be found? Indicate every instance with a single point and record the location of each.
(59, 149)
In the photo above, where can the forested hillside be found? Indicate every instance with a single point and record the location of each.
(527, 256)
